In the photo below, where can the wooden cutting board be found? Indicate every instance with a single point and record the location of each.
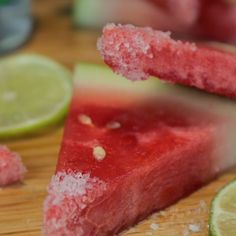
(21, 204)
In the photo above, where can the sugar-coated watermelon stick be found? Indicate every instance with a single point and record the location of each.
(138, 53)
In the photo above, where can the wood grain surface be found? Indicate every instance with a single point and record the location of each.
(21, 204)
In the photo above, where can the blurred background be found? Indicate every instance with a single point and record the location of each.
(68, 30)
(44, 27)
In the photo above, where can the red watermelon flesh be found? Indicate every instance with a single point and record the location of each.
(126, 154)
(138, 53)
(218, 20)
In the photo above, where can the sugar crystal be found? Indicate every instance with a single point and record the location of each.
(154, 226)
(194, 228)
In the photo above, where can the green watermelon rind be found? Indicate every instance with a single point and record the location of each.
(97, 75)
(89, 13)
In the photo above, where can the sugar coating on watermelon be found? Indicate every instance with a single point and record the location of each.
(69, 194)
(123, 158)
(138, 53)
(11, 167)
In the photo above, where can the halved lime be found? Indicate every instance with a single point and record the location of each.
(34, 93)
(223, 212)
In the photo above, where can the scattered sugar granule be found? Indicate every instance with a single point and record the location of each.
(148, 233)
(132, 230)
(194, 228)
(85, 120)
(162, 213)
(203, 206)
(99, 153)
(186, 232)
(11, 167)
(113, 125)
(154, 226)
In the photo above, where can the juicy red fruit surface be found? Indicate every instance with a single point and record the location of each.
(160, 152)
(147, 132)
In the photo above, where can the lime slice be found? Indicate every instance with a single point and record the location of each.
(223, 212)
(34, 93)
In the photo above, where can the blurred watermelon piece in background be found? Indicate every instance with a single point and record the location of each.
(169, 15)
(211, 19)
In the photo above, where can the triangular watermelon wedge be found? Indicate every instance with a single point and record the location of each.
(130, 149)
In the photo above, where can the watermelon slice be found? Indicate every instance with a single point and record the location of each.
(175, 15)
(138, 53)
(11, 167)
(127, 152)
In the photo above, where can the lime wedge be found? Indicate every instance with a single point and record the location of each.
(223, 212)
(34, 93)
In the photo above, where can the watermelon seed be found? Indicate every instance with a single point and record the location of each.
(113, 125)
(85, 120)
(99, 153)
